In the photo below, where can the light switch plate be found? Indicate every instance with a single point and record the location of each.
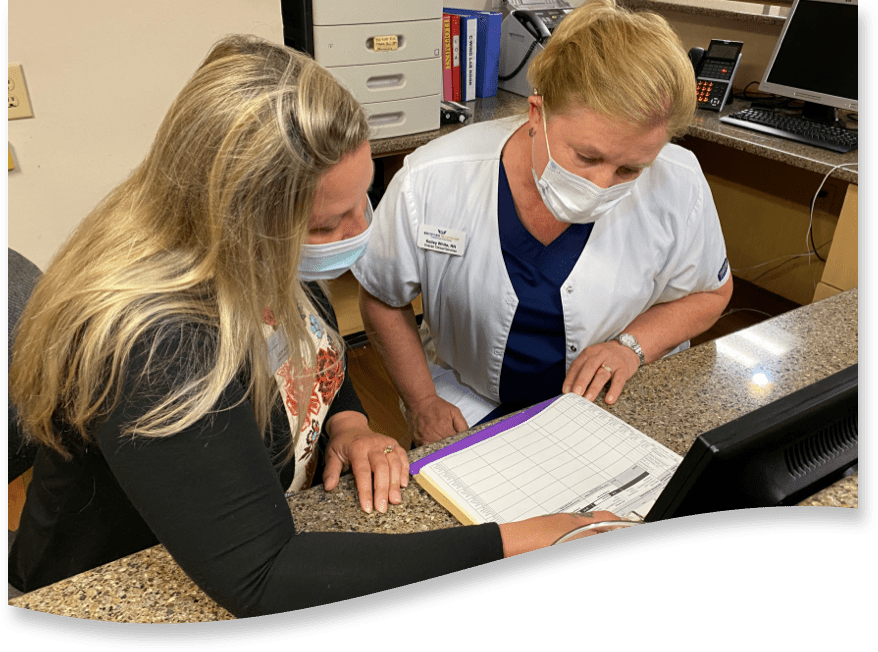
(19, 101)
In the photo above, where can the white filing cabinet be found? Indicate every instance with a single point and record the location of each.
(386, 52)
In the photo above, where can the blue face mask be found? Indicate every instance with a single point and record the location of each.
(323, 262)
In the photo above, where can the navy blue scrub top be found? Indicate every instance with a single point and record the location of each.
(534, 363)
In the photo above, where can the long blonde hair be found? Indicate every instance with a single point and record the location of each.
(206, 232)
(618, 63)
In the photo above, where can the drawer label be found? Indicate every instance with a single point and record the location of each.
(385, 43)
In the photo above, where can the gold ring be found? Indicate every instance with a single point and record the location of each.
(607, 368)
(388, 449)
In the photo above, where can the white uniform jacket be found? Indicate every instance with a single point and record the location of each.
(662, 242)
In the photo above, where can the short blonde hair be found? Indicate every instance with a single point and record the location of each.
(620, 64)
(206, 232)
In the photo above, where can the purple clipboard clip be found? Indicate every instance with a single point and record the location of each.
(481, 435)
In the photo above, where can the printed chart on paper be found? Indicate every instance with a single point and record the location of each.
(571, 457)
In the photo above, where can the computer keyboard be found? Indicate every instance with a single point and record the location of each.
(794, 128)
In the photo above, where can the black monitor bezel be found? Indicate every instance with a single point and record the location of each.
(804, 94)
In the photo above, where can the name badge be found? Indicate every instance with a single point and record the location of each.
(445, 241)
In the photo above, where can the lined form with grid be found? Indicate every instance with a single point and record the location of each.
(565, 455)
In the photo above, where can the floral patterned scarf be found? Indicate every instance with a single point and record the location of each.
(327, 380)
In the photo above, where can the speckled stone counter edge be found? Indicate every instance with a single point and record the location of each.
(696, 10)
(672, 400)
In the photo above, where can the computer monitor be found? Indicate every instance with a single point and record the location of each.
(815, 59)
(778, 454)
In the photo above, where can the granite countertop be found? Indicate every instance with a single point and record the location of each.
(706, 126)
(672, 400)
(744, 13)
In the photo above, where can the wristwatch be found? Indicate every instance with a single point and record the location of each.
(626, 339)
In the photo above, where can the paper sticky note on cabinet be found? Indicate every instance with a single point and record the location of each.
(386, 43)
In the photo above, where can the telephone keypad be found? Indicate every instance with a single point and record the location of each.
(710, 93)
(714, 72)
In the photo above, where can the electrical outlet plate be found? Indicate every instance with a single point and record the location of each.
(19, 100)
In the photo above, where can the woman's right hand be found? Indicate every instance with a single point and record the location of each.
(433, 418)
(543, 531)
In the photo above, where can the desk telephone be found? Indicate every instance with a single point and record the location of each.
(540, 24)
(715, 71)
(523, 33)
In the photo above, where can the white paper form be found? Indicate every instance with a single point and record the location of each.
(571, 457)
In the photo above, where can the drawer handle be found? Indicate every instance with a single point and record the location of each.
(385, 82)
(386, 119)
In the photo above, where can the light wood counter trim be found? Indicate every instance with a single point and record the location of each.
(841, 270)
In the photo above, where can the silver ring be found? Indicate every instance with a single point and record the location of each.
(388, 449)
(607, 368)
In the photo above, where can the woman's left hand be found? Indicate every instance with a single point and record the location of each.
(379, 464)
(608, 362)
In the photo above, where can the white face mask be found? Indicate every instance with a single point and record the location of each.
(323, 262)
(570, 198)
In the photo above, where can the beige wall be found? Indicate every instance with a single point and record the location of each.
(478, 5)
(759, 39)
(696, 29)
(101, 74)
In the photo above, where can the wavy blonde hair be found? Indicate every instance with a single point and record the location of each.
(206, 232)
(617, 63)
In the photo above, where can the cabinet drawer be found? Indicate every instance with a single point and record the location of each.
(383, 82)
(353, 45)
(372, 11)
(403, 117)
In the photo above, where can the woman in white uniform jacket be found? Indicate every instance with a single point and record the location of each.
(659, 249)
